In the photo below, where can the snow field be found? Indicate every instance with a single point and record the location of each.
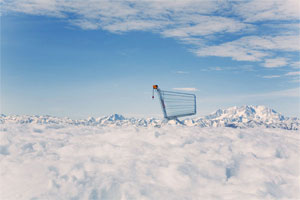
(173, 162)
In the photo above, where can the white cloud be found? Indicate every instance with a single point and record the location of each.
(181, 72)
(275, 62)
(258, 10)
(296, 73)
(223, 68)
(216, 68)
(203, 25)
(85, 24)
(186, 89)
(235, 50)
(252, 48)
(293, 73)
(271, 76)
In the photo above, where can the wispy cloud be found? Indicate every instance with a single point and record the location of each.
(256, 10)
(186, 89)
(252, 48)
(297, 73)
(295, 64)
(294, 76)
(182, 72)
(226, 68)
(275, 62)
(271, 76)
(209, 28)
(205, 25)
(216, 69)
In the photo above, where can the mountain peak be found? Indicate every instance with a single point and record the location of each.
(234, 117)
(249, 112)
(115, 117)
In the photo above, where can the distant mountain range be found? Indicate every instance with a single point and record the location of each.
(233, 117)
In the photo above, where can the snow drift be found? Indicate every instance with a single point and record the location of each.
(118, 158)
(88, 162)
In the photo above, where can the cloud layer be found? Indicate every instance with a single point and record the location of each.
(256, 31)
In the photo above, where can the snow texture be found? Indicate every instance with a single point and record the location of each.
(171, 162)
(110, 158)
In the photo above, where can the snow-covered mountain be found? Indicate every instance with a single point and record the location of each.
(249, 116)
(234, 117)
(245, 113)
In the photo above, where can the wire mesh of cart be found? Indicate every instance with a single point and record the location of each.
(176, 104)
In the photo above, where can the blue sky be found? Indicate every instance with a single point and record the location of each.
(96, 58)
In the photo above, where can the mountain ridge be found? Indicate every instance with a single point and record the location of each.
(247, 116)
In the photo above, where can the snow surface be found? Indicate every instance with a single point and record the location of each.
(59, 160)
(247, 152)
